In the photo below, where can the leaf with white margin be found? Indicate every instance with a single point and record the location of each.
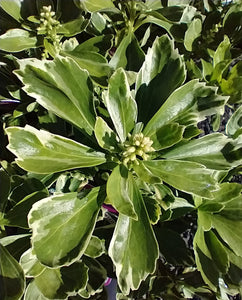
(30, 264)
(96, 247)
(120, 104)
(39, 151)
(162, 72)
(60, 86)
(120, 191)
(186, 176)
(133, 248)
(12, 276)
(16, 40)
(187, 105)
(62, 226)
(213, 151)
(62, 282)
(32, 292)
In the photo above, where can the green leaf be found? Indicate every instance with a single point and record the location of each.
(98, 22)
(234, 124)
(217, 251)
(95, 248)
(22, 187)
(233, 209)
(135, 55)
(153, 208)
(162, 72)
(120, 191)
(17, 216)
(63, 282)
(62, 87)
(173, 247)
(222, 52)
(73, 27)
(220, 70)
(187, 105)
(105, 136)
(5, 188)
(98, 44)
(133, 247)
(186, 176)
(213, 151)
(13, 8)
(119, 59)
(97, 275)
(120, 104)
(56, 153)
(204, 261)
(16, 244)
(226, 201)
(30, 264)
(12, 280)
(232, 85)
(16, 40)
(166, 136)
(192, 33)
(207, 69)
(179, 208)
(32, 292)
(93, 62)
(56, 222)
(95, 5)
(230, 232)
(158, 19)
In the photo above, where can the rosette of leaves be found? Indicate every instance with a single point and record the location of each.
(144, 138)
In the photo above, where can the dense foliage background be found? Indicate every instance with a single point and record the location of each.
(120, 149)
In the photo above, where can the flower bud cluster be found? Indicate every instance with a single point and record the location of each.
(136, 145)
(48, 26)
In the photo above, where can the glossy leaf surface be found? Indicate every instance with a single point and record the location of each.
(119, 59)
(16, 40)
(235, 122)
(166, 136)
(56, 153)
(32, 292)
(230, 232)
(189, 177)
(204, 261)
(133, 247)
(162, 72)
(95, 248)
(62, 87)
(120, 104)
(30, 264)
(17, 216)
(120, 191)
(213, 150)
(192, 33)
(56, 222)
(12, 279)
(63, 282)
(105, 135)
(187, 105)
(93, 62)
(179, 255)
(13, 8)
(16, 244)
(95, 5)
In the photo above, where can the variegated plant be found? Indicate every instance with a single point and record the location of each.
(138, 134)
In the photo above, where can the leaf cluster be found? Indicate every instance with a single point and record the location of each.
(105, 171)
